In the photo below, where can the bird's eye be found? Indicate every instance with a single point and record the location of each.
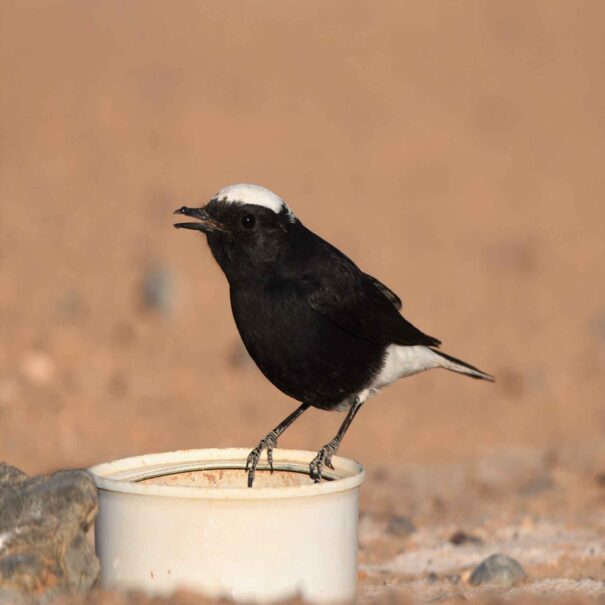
(248, 221)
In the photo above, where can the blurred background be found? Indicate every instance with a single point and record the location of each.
(453, 150)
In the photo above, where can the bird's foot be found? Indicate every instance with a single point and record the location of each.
(266, 443)
(323, 458)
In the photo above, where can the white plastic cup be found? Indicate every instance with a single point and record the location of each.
(186, 519)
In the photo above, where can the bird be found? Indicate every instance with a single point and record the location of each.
(320, 329)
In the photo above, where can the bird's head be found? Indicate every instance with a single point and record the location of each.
(246, 225)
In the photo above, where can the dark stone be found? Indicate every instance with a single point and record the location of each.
(71, 306)
(460, 537)
(239, 357)
(536, 486)
(498, 569)
(43, 525)
(380, 474)
(400, 525)
(10, 475)
(158, 290)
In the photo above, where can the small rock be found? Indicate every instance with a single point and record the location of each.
(536, 486)
(597, 325)
(380, 474)
(9, 475)
(400, 525)
(239, 357)
(43, 525)
(460, 537)
(497, 569)
(158, 290)
(70, 306)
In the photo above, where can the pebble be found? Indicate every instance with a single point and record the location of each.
(239, 357)
(400, 525)
(536, 486)
(43, 525)
(158, 290)
(460, 537)
(497, 569)
(70, 306)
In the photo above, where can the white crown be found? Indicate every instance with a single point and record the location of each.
(244, 193)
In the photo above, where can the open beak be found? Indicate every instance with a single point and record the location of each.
(205, 224)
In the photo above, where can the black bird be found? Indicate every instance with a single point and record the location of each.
(319, 328)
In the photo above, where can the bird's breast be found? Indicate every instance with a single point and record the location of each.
(301, 352)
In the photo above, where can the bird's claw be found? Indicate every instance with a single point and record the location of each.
(266, 443)
(323, 458)
(251, 463)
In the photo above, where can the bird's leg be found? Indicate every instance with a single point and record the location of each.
(269, 442)
(324, 456)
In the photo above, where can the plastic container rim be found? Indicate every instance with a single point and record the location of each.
(125, 475)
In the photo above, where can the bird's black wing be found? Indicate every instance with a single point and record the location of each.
(336, 288)
(395, 300)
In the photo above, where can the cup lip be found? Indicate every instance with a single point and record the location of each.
(124, 475)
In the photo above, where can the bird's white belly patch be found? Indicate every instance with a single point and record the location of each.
(401, 361)
(345, 404)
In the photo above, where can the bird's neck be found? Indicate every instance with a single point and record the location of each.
(250, 271)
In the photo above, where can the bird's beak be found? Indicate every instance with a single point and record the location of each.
(206, 224)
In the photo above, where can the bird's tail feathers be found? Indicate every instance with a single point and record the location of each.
(456, 365)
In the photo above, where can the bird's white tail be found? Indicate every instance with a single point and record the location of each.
(457, 365)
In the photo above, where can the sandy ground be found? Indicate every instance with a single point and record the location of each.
(424, 528)
(544, 510)
(454, 150)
